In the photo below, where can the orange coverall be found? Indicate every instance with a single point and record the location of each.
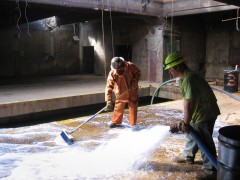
(125, 88)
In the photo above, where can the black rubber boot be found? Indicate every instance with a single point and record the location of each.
(113, 125)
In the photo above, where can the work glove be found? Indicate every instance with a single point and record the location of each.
(174, 128)
(109, 105)
(185, 127)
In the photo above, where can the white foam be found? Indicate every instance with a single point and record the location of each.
(124, 153)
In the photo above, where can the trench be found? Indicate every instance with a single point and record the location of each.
(73, 112)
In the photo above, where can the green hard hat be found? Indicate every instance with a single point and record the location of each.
(173, 60)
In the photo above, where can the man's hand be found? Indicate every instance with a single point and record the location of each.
(174, 128)
(185, 127)
(109, 105)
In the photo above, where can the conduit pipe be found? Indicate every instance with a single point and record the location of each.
(200, 144)
(229, 94)
(171, 80)
(213, 87)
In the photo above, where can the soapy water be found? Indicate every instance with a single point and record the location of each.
(98, 152)
(124, 154)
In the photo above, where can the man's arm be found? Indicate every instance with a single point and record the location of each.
(109, 87)
(136, 76)
(187, 106)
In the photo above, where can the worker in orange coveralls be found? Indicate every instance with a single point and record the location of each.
(123, 80)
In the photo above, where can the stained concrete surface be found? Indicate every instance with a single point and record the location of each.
(39, 143)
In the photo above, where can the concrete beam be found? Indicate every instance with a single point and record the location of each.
(140, 7)
(188, 7)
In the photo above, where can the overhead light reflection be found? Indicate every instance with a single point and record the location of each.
(97, 47)
(51, 22)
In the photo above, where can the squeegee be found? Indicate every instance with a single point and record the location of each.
(67, 136)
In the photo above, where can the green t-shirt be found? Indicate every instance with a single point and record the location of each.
(195, 87)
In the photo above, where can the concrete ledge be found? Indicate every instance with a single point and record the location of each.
(16, 111)
(35, 106)
(168, 92)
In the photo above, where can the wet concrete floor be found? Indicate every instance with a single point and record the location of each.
(37, 151)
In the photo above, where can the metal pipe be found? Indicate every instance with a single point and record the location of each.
(230, 19)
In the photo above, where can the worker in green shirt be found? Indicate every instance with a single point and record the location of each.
(200, 111)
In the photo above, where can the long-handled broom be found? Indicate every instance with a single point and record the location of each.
(68, 138)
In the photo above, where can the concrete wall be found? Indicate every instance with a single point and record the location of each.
(144, 38)
(223, 49)
(210, 47)
(152, 53)
(36, 49)
(193, 41)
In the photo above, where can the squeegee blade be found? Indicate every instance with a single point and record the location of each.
(68, 138)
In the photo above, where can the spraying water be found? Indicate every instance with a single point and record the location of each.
(125, 153)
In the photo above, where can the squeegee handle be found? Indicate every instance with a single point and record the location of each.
(103, 109)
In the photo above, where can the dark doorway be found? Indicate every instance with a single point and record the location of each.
(124, 51)
(88, 59)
